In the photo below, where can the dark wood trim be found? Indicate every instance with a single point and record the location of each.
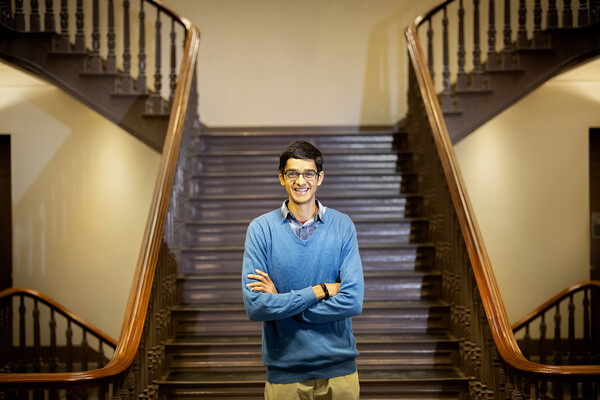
(5, 214)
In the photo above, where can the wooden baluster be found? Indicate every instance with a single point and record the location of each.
(430, 50)
(141, 80)
(538, 36)
(22, 367)
(173, 74)
(552, 15)
(64, 43)
(567, 17)
(84, 351)
(461, 77)
(477, 74)
(19, 16)
(587, 343)
(111, 61)
(79, 35)
(522, 41)
(587, 389)
(542, 343)
(37, 338)
(126, 83)
(446, 94)
(95, 60)
(156, 95)
(69, 355)
(557, 344)
(571, 340)
(594, 11)
(53, 361)
(526, 342)
(6, 12)
(34, 16)
(492, 57)
(583, 14)
(507, 54)
(49, 20)
(5, 330)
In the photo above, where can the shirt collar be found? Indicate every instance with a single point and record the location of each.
(285, 211)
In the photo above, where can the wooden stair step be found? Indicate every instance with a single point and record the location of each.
(376, 352)
(356, 205)
(231, 183)
(379, 285)
(233, 232)
(382, 317)
(228, 259)
(389, 256)
(430, 383)
(325, 143)
(234, 161)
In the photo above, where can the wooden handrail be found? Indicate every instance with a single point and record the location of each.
(488, 288)
(34, 294)
(139, 295)
(547, 305)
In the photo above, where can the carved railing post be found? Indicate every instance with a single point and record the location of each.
(49, 18)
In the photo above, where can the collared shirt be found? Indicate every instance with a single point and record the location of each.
(303, 231)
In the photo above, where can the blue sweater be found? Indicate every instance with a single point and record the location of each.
(304, 338)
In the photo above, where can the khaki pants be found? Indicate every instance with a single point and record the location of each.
(340, 388)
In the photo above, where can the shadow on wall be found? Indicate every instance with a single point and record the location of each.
(386, 70)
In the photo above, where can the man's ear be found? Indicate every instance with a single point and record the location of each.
(282, 179)
(321, 177)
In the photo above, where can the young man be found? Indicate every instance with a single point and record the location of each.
(302, 276)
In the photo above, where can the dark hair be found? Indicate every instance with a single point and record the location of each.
(303, 151)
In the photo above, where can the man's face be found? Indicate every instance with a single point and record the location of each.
(300, 190)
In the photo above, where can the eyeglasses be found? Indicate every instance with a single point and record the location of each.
(292, 175)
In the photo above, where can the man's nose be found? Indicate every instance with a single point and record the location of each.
(300, 179)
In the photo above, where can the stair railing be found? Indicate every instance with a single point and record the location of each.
(472, 46)
(488, 351)
(565, 329)
(31, 347)
(137, 359)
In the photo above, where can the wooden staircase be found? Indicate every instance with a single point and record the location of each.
(215, 351)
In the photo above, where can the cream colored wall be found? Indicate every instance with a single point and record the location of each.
(81, 192)
(527, 175)
(312, 62)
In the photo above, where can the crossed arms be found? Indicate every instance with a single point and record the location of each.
(266, 302)
(263, 283)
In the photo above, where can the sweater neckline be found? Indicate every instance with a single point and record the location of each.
(297, 239)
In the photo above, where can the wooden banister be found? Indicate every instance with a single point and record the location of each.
(34, 294)
(501, 330)
(557, 298)
(133, 323)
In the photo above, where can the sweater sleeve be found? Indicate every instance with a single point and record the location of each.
(266, 306)
(348, 301)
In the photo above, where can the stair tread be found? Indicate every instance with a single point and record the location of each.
(277, 153)
(327, 131)
(236, 377)
(364, 338)
(360, 246)
(355, 220)
(330, 195)
(330, 172)
(424, 303)
(371, 274)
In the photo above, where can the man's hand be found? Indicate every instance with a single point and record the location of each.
(332, 288)
(264, 283)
